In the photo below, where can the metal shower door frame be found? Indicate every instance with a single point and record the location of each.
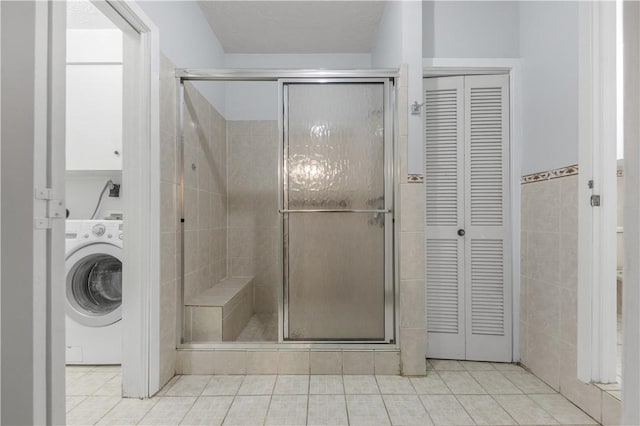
(281, 76)
(388, 211)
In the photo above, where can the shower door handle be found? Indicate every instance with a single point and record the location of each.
(334, 211)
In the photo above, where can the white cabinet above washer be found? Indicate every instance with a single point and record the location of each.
(94, 100)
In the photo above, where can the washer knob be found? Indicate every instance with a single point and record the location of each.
(98, 230)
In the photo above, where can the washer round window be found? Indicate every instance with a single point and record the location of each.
(96, 284)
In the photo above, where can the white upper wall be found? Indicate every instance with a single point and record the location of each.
(470, 29)
(544, 34)
(259, 100)
(549, 48)
(387, 48)
(188, 41)
(399, 41)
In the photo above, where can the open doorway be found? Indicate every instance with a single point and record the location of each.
(111, 274)
(94, 237)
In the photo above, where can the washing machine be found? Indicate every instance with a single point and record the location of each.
(94, 291)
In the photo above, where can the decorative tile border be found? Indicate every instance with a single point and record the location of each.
(415, 178)
(551, 174)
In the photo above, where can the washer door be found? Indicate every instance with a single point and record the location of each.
(94, 285)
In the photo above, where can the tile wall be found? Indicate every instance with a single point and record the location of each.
(410, 233)
(205, 194)
(549, 282)
(253, 208)
(169, 235)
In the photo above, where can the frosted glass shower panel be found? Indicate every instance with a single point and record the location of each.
(336, 146)
(336, 276)
(335, 221)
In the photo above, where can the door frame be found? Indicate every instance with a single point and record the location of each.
(389, 186)
(184, 75)
(446, 67)
(596, 315)
(141, 180)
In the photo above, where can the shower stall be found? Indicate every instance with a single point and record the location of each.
(286, 207)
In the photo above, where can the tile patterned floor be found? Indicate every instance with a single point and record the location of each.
(615, 389)
(453, 393)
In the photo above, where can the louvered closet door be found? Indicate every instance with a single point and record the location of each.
(444, 185)
(487, 264)
(468, 293)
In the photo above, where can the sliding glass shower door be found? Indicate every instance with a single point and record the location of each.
(336, 210)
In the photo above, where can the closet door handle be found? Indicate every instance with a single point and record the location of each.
(461, 232)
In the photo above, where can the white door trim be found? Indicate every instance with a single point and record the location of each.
(141, 189)
(458, 66)
(141, 193)
(596, 344)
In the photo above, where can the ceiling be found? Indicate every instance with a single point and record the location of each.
(294, 26)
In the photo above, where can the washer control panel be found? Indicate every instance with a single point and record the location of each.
(99, 230)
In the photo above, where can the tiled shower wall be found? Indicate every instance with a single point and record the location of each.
(205, 177)
(253, 208)
(548, 297)
(169, 235)
(205, 194)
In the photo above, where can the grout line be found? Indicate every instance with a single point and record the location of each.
(346, 408)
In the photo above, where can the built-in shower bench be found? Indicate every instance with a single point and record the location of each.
(220, 312)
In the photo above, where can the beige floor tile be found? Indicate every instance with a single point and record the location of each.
(287, 410)
(112, 388)
(461, 383)
(86, 384)
(484, 410)
(524, 410)
(561, 409)
(360, 385)
(528, 383)
(326, 385)
(395, 385)
(91, 410)
(190, 385)
(168, 410)
(445, 410)
(79, 369)
(128, 412)
(406, 410)
(248, 410)
(431, 384)
(327, 410)
(494, 382)
(72, 401)
(367, 410)
(446, 365)
(223, 385)
(507, 366)
(223, 400)
(257, 385)
(208, 410)
(292, 385)
(477, 366)
(167, 386)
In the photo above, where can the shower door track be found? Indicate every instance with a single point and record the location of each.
(388, 76)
